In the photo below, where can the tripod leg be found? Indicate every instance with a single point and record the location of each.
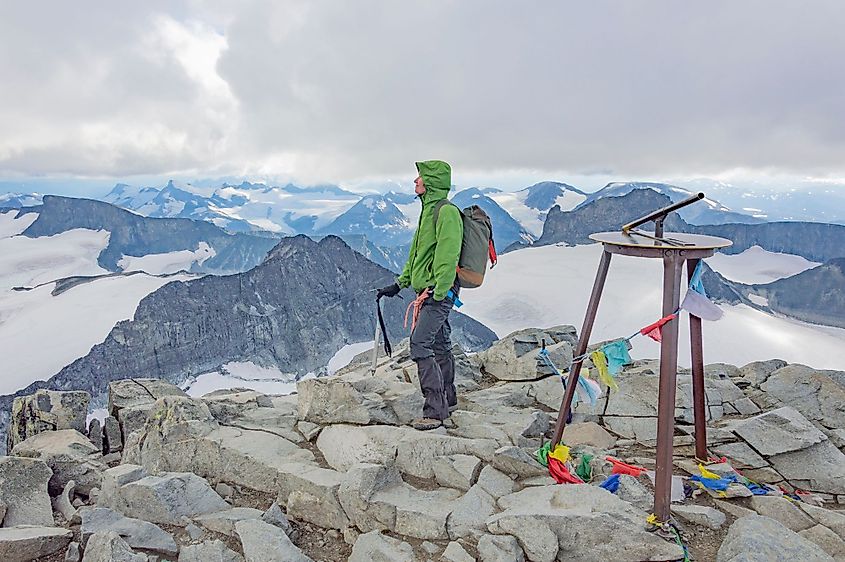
(672, 267)
(583, 342)
(698, 394)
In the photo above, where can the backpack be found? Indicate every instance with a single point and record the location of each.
(477, 247)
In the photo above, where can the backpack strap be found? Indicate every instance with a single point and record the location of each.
(436, 212)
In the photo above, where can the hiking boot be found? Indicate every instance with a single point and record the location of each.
(425, 424)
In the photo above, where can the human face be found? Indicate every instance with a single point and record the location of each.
(419, 186)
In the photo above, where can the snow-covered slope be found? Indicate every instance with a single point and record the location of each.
(169, 262)
(242, 375)
(550, 285)
(758, 266)
(40, 333)
(12, 225)
(530, 206)
(31, 261)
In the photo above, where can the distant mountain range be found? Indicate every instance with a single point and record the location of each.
(795, 201)
(708, 211)
(240, 208)
(386, 220)
(137, 236)
(18, 200)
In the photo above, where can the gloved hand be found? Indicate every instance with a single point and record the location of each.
(389, 291)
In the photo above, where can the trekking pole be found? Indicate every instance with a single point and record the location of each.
(375, 340)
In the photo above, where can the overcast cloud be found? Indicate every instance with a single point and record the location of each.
(340, 91)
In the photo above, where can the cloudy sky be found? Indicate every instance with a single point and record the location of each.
(348, 92)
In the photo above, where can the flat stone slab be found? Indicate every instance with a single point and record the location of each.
(209, 551)
(23, 491)
(700, 515)
(414, 452)
(263, 542)
(127, 393)
(779, 431)
(819, 468)
(818, 395)
(358, 398)
(107, 546)
(169, 498)
(754, 538)
(376, 498)
(27, 543)
(783, 511)
(741, 455)
(578, 521)
(223, 522)
(377, 546)
(457, 471)
(515, 461)
(69, 454)
(136, 533)
(588, 433)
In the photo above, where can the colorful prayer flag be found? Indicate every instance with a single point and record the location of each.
(600, 362)
(617, 356)
(654, 330)
(699, 305)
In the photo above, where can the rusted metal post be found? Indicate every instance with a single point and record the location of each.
(673, 261)
(583, 342)
(698, 393)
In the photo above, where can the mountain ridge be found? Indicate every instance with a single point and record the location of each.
(136, 235)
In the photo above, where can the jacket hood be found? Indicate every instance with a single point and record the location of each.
(437, 176)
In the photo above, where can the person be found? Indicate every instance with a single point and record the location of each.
(431, 272)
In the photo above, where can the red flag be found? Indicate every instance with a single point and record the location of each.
(653, 330)
(561, 474)
(620, 467)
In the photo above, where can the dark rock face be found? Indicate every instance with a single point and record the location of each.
(816, 295)
(605, 214)
(815, 241)
(295, 310)
(135, 235)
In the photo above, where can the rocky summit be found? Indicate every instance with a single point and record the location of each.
(333, 472)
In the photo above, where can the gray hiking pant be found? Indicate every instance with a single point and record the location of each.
(431, 349)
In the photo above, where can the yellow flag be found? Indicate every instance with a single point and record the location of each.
(600, 362)
(560, 453)
(707, 474)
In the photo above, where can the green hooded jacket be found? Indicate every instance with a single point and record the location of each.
(435, 250)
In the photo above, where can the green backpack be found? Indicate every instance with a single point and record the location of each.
(477, 247)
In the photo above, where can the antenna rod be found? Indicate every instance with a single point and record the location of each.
(661, 213)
